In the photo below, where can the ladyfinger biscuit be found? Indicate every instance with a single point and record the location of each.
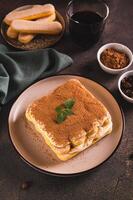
(24, 26)
(11, 33)
(30, 14)
(14, 11)
(26, 37)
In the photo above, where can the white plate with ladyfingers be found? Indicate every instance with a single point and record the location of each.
(33, 27)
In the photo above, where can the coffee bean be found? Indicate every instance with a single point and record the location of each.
(25, 185)
(127, 86)
(128, 92)
(131, 156)
(131, 94)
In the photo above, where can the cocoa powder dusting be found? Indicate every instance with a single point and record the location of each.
(86, 110)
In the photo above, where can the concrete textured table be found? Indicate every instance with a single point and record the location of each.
(113, 180)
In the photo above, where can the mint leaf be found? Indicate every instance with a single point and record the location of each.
(61, 117)
(64, 110)
(68, 111)
(58, 109)
(69, 103)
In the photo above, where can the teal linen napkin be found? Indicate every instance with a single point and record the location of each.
(19, 69)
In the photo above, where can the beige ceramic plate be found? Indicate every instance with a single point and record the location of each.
(40, 41)
(36, 153)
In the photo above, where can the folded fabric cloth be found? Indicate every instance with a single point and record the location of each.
(19, 69)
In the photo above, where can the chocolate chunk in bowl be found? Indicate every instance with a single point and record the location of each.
(125, 85)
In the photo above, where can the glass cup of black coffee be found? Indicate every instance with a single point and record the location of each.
(86, 19)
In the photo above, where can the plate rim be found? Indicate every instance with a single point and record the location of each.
(42, 171)
(26, 49)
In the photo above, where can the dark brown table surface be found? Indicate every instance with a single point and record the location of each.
(113, 180)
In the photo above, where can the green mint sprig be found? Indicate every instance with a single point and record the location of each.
(64, 110)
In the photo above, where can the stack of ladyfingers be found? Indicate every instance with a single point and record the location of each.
(24, 25)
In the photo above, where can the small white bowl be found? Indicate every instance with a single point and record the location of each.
(126, 74)
(119, 47)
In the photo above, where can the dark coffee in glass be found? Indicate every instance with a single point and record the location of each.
(86, 20)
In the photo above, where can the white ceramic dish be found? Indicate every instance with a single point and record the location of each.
(38, 155)
(119, 47)
(126, 74)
